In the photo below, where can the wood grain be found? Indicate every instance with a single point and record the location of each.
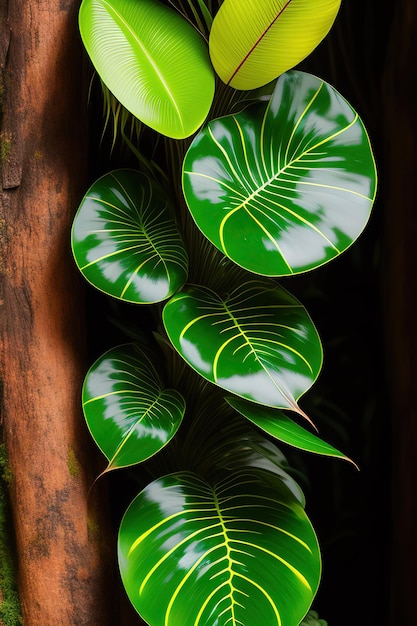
(63, 558)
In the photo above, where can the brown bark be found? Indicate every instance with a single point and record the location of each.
(400, 301)
(62, 558)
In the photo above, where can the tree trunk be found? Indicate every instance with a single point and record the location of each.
(63, 556)
(399, 187)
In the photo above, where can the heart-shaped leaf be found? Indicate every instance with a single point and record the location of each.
(125, 240)
(152, 60)
(240, 552)
(253, 42)
(257, 342)
(284, 187)
(130, 414)
(280, 426)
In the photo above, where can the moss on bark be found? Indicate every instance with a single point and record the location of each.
(10, 610)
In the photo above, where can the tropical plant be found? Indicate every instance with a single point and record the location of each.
(248, 171)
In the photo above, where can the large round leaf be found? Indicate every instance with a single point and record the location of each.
(241, 552)
(281, 427)
(125, 241)
(130, 414)
(152, 60)
(254, 41)
(283, 187)
(257, 342)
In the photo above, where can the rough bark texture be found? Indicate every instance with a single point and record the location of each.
(400, 301)
(61, 557)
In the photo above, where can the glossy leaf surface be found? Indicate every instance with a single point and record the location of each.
(152, 60)
(125, 241)
(257, 342)
(283, 187)
(280, 426)
(254, 41)
(241, 552)
(130, 414)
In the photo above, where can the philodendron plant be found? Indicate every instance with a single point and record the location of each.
(260, 171)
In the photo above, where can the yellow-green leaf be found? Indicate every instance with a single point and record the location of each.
(254, 41)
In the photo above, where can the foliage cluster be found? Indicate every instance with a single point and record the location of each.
(248, 172)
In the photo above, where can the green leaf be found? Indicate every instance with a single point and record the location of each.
(257, 342)
(240, 552)
(199, 6)
(237, 446)
(280, 426)
(254, 41)
(152, 60)
(125, 241)
(283, 187)
(130, 414)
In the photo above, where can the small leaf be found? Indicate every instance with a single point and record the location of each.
(258, 342)
(125, 241)
(312, 619)
(283, 187)
(241, 446)
(131, 416)
(280, 426)
(240, 552)
(152, 60)
(254, 41)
